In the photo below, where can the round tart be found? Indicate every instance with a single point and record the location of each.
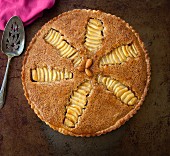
(85, 73)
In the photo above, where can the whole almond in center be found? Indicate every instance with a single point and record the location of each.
(88, 63)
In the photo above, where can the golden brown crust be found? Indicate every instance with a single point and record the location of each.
(83, 129)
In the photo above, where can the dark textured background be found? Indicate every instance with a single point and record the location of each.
(147, 133)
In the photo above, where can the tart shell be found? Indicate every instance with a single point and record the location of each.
(120, 121)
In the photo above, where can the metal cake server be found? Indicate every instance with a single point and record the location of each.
(12, 44)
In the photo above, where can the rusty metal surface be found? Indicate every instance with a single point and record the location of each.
(147, 133)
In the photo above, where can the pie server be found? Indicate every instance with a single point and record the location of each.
(12, 44)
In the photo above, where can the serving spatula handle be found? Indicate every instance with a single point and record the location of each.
(3, 87)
